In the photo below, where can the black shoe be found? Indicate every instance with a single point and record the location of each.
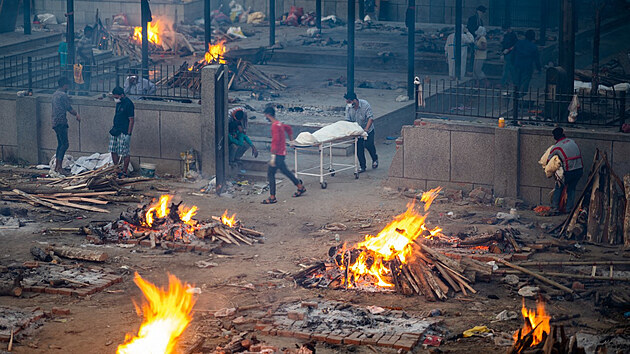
(375, 164)
(362, 169)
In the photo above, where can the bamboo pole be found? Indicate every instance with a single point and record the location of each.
(536, 275)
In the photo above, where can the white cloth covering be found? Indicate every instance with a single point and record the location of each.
(337, 130)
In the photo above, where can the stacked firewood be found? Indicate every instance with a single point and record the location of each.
(426, 272)
(82, 191)
(555, 342)
(601, 213)
(245, 76)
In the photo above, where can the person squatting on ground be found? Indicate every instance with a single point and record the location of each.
(136, 87)
(278, 154)
(525, 57)
(569, 154)
(61, 105)
(507, 46)
(238, 139)
(120, 134)
(481, 54)
(360, 111)
(449, 51)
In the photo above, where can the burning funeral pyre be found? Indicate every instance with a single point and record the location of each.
(164, 222)
(397, 259)
(166, 313)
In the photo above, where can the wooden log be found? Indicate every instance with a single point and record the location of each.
(251, 232)
(10, 288)
(571, 263)
(76, 206)
(595, 209)
(535, 275)
(479, 267)
(423, 285)
(450, 263)
(626, 218)
(507, 234)
(196, 346)
(79, 253)
(37, 200)
(585, 276)
(400, 278)
(448, 278)
(433, 284)
(411, 279)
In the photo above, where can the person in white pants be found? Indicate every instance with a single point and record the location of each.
(449, 51)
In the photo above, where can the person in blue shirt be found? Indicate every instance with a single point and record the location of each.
(525, 56)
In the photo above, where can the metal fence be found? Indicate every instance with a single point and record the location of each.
(42, 73)
(445, 97)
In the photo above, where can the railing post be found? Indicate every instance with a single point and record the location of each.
(117, 74)
(515, 104)
(30, 73)
(622, 109)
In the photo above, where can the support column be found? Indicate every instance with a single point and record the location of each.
(350, 64)
(506, 162)
(272, 22)
(566, 47)
(70, 32)
(458, 40)
(411, 47)
(543, 22)
(27, 16)
(145, 14)
(207, 23)
(27, 129)
(209, 144)
(318, 15)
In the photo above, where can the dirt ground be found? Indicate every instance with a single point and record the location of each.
(98, 323)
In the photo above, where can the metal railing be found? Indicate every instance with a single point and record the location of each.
(42, 73)
(445, 97)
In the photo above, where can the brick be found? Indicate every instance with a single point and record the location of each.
(31, 264)
(60, 311)
(303, 335)
(333, 339)
(388, 341)
(246, 343)
(354, 338)
(255, 348)
(38, 289)
(367, 340)
(285, 333)
(269, 347)
(49, 290)
(64, 291)
(296, 315)
(260, 326)
(320, 337)
(310, 305)
(266, 329)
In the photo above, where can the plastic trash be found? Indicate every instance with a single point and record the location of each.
(475, 331)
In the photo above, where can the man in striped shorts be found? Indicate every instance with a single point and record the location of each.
(120, 134)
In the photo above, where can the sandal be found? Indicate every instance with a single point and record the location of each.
(299, 192)
(270, 201)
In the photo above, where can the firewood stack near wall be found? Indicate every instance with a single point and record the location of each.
(601, 213)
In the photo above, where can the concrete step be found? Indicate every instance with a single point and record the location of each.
(39, 51)
(22, 46)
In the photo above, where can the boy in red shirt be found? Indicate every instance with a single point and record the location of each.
(278, 154)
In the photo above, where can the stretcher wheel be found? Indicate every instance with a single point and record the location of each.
(324, 185)
(356, 175)
(332, 172)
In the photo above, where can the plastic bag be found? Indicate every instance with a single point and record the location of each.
(574, 106)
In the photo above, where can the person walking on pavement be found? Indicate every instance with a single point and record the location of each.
(61, 105)
(481, 54)
(507, 46)
(474, 22)
(525, 57)
(120, 134)
(569, 154)
(278, 154)
(449, 51)
(360, 111)
(238, 139)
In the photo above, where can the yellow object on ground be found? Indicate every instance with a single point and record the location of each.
(475, 331)
(256, 17)
(78, 74)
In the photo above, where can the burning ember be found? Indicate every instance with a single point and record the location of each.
(161, 210)
(229, 221)
(215, 53)
(393, 242)
(166, 315)
(536, 321)
(154, 32)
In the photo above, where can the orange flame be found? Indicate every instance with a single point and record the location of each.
(161, 209)
(154, 32)
(166, 315)
(215, 53)
(538, 319)
(229, 221)
(393, 241)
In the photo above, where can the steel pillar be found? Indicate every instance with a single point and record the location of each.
(411, 46)
(350, 67)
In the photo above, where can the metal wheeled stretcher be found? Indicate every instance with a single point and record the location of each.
(332, 167)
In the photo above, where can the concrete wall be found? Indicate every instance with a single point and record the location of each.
(161, 132)
(85, 10)
(464, 156)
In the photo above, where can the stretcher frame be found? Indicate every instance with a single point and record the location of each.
(321, 148)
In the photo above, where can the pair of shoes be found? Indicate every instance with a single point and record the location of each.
(300, 191)
(375, 164)
(270, 201)
(362, 169)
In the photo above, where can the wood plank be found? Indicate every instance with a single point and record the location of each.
(79, 253)
(77, 206)
(37, 200)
